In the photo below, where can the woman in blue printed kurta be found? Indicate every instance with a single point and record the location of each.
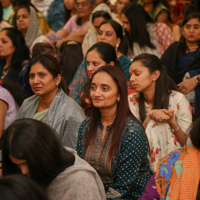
(115, 145)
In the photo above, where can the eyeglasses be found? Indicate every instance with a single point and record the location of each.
(83, 4)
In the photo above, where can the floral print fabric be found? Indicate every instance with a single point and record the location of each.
(161, 140)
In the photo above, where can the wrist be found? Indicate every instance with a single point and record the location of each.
(197, 80)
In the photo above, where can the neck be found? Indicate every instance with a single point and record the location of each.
(46, 100)
(149, 94)
(85, 19)
(118, 54)
(24, 32)
(108, 115)
(8, 60)
(192, 45)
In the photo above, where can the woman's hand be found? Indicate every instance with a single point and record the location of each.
(162, 115)
(187, 86)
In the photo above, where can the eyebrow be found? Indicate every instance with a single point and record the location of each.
(37, 72)
(101, 84)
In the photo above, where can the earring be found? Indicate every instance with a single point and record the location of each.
(117, 45)
(118, 100)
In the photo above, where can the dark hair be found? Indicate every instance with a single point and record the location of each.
(123, 47)
(122, 113)
(42, 48)
(50, 63)
(23, 6)
(23, 2)
(194, 133)
(164, 84)
(20, 54)
(183, 46)
(138, 19)
(35, 142)
(18, 187)
(106, 53)
(101, 13)
(191, 8)
(1, 12)
(71, 56)
(15, 90)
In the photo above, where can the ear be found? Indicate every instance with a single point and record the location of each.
(112, 63)
(118, 41)
(155, 75)
(58, 79)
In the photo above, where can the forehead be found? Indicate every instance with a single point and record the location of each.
(137, 65)
(124, 1)
(124, 18)
(94, 54)
(4, 34)
(104, 78)
(22, 11)
(107, 27)
(193, 21)
(16, 161)
(97, 21)
(37, 67)
(81, 1)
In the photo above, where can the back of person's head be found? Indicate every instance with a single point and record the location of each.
(18, 187)
(37, 144)
(164, 84)
(50, 63)
(191, 8)
(17, 3)
(20, 54)
(71, 56)
(122, 112)
(183, 44)
(1, 12)
(15, 90)
(138, 19)
(42, 48)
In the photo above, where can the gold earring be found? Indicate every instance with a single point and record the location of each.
(117, 45)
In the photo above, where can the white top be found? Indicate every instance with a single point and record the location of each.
(161, 140)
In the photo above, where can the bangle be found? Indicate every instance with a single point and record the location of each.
(175, 130)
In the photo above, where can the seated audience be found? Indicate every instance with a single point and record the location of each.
(76, 27)
(158, 10)
(99, 14)
(112, 140)
(120, 4)
(182, 61)
(58, 17)
(14, 58)
(177, 175)
(8, 11)
(110, 32)
(71, 57)
(144, 35)
(3, 23)
(164, 112)
(41, 20)
(27, 23)
(31, 148)
(18, 187)
(100, 54)
(50, 103)
(11, 97)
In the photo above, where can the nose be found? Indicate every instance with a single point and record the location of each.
(132, 78)
(192, 29)
(97, 92)
(24, 169)
(89, 67)
(35, 80)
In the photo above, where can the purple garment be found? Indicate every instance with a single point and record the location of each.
(150, 192)
(71, 25)
(12, 106)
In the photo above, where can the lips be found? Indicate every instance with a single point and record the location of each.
(97, 100)
(191, 36)
(37, 88)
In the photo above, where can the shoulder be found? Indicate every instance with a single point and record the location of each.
(124, 60)
(85, 123)
(133, 98)
(176, 96)
(162, 27)
(73, 18)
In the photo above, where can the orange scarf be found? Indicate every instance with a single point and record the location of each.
(183, 165)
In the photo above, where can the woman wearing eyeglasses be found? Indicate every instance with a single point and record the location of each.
(76, 27)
